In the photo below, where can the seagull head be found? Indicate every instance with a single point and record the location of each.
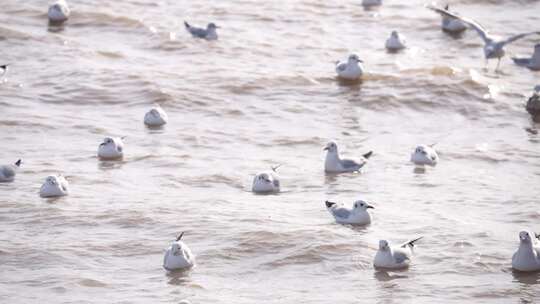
(395, 34)
(421, 149)
(524, 237)
(362, 205)
(331, 147)
(51, 180)
(353, 58)
(265, 178)
(212, 26)
(107, 141)
(383, 245)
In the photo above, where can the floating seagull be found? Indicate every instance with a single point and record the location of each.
(452, 25)
(111, 148)
(533, 105)
(4, 68)
(394, 257)
(357, 215)
(55, 185)
(7, 172)
(527, 257)
(209, 33)
(533, 62)
(266, 182)
(58, 12)
(334, 164)
(178, 256)
(371, 2)
(156, 117)
(424, 155)
(396, 42)
(350, 70)
(493, 45)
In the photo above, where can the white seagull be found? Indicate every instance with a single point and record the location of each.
(350, 70)
(111, 148)
(178, 256)
(156, 117)
(8, 172)
(493, 45)
(533, 62)
(395, 42)
(357, 215)
(55, 185)
(394, 257)
(424, 155)
(209, 33)
(58, 12)
(452, 25)
(527, 257)
(266, 182)
(334, 164)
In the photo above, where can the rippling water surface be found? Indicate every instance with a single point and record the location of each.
(263, 94)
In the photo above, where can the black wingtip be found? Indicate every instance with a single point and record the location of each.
(368, 155)
(446, 7)
(274, 168)
(18, 163)
(187, 24)
(4, 66)
(180, 236)
(411, 242)
(329, 204)
(537, 235)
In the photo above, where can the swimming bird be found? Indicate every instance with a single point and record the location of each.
(357, 215)
(209, 33)
(493, 45)
(156, 117)
(111, 148)
(58, 12)
(452, 25)
(396, 42)
(425, 155)
(533, 62)
(178, 256)
(533, 105)
(350, 70)
(4, 68)
(369, 3)
(55, 185)
(527, 257)
(266, 182)
(394, 257)
(334, 164)
(8, 172)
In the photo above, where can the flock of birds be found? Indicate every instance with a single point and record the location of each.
(179, 256)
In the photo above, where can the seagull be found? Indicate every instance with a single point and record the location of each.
(178, 256)
(156, 117)
(266, 182)
(357, 215)
(371, 2)
(7, 172)
(394, 257)
(4, 68)
(533, 62)
(58, 12)
(209, 33)
(334, 164)
(452, 25)
(533, 104)
(527, 257)
(493, 45)
(396, 42)
(54, 186)
(111, 148)
(350, 70)
(424, 155)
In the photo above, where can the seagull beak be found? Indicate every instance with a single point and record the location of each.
(326, 148)
(370, 207)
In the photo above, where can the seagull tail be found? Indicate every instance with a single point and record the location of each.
(411, 242)
(18, 163)
(187, 25)
(274, 168)
(537, 235)
(180, 236)
(329, 204)
(368, 155)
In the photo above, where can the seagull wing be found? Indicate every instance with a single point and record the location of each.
(475, 25)
(7, 171)
(400, 256)
(341, 67)
(522, 61)
(341, 212)
(516, 37)
(349, 163)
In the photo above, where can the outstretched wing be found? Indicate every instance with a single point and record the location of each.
(475, 25)
(516, 37)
